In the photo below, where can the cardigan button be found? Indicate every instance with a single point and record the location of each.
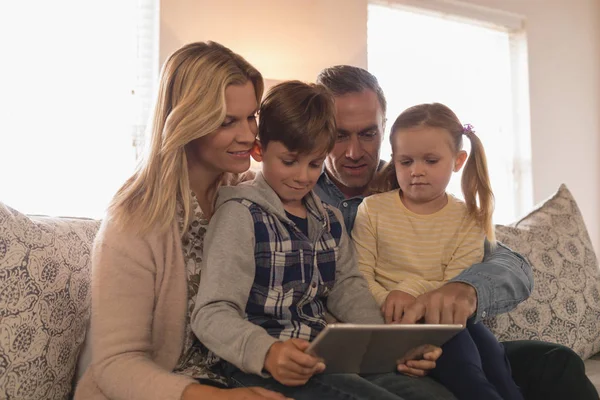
(314, 285)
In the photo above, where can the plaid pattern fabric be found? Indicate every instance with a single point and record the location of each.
(294, 275)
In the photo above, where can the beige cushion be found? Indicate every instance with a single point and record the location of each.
(565, 304)
(44, 302)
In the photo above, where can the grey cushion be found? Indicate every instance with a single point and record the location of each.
(565, 304)
(45, 277)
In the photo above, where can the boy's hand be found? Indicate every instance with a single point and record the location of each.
(394, 305)
(290, 365)
(419, 361)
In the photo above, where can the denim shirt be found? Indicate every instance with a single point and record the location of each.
(502, 280)
(332, 195)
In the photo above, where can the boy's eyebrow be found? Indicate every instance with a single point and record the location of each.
(367, 129)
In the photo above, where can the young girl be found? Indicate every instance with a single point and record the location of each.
(414, 237)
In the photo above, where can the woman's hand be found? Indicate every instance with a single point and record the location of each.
(419, 361)
(394, 305)
(201, 392)
(290, 365)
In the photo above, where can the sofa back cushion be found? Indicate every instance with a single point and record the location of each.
(45, 274)
(565, 304)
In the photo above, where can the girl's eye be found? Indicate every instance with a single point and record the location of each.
(227, 123)
(405, 163)
(432, 161)
(288, 162)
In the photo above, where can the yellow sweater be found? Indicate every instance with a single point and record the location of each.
(400, 250)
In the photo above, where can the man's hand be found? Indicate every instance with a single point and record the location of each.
(419, 361)
(394, 305)
(289, 365)
(453, 303)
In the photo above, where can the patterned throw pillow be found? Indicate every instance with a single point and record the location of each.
(44, 302)
(565, 304)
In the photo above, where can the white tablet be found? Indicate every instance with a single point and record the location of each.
(370, 349)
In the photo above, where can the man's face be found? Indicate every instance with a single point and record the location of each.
(354, 159)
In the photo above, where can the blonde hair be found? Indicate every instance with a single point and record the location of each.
(475, 181)
(190, 105)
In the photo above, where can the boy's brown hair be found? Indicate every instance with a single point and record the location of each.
(299, 115)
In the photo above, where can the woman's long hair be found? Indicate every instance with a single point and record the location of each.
(190, 105)
(475, 181)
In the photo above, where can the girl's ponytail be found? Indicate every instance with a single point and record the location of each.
(476, 186)
(385, 179)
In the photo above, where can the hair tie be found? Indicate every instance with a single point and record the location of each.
(468, 129)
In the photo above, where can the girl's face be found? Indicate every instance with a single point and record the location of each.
(424, 158)
(228, 148)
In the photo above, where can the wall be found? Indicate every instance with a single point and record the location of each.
(284, 39)
(305, 36)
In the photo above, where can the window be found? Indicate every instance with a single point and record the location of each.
(476, 68)
(76, 79)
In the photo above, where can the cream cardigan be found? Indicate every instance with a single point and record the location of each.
(139, 300)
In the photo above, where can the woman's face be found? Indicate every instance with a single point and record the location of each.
(228, 148)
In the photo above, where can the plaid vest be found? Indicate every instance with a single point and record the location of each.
(293, 274)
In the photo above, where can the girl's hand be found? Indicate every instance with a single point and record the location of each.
(289, 365)
(200, 392)
(394, 305)
(419, 361)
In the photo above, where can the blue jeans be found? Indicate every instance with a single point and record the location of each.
(389, 386)
(474, 366)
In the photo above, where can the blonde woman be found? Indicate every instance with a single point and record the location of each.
(147, 255)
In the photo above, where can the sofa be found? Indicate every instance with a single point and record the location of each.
(45, 275)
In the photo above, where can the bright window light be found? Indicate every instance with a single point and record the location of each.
(69, 101)
(425, 58)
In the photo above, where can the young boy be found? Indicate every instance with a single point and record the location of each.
(276, 258)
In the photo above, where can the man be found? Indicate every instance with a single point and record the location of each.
(497, 285)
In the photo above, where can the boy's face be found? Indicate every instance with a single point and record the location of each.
(291, 175)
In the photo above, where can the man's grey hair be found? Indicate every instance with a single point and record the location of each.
(344, 79)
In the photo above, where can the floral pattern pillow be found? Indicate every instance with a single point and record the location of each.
(565, 304)
(45, 300)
